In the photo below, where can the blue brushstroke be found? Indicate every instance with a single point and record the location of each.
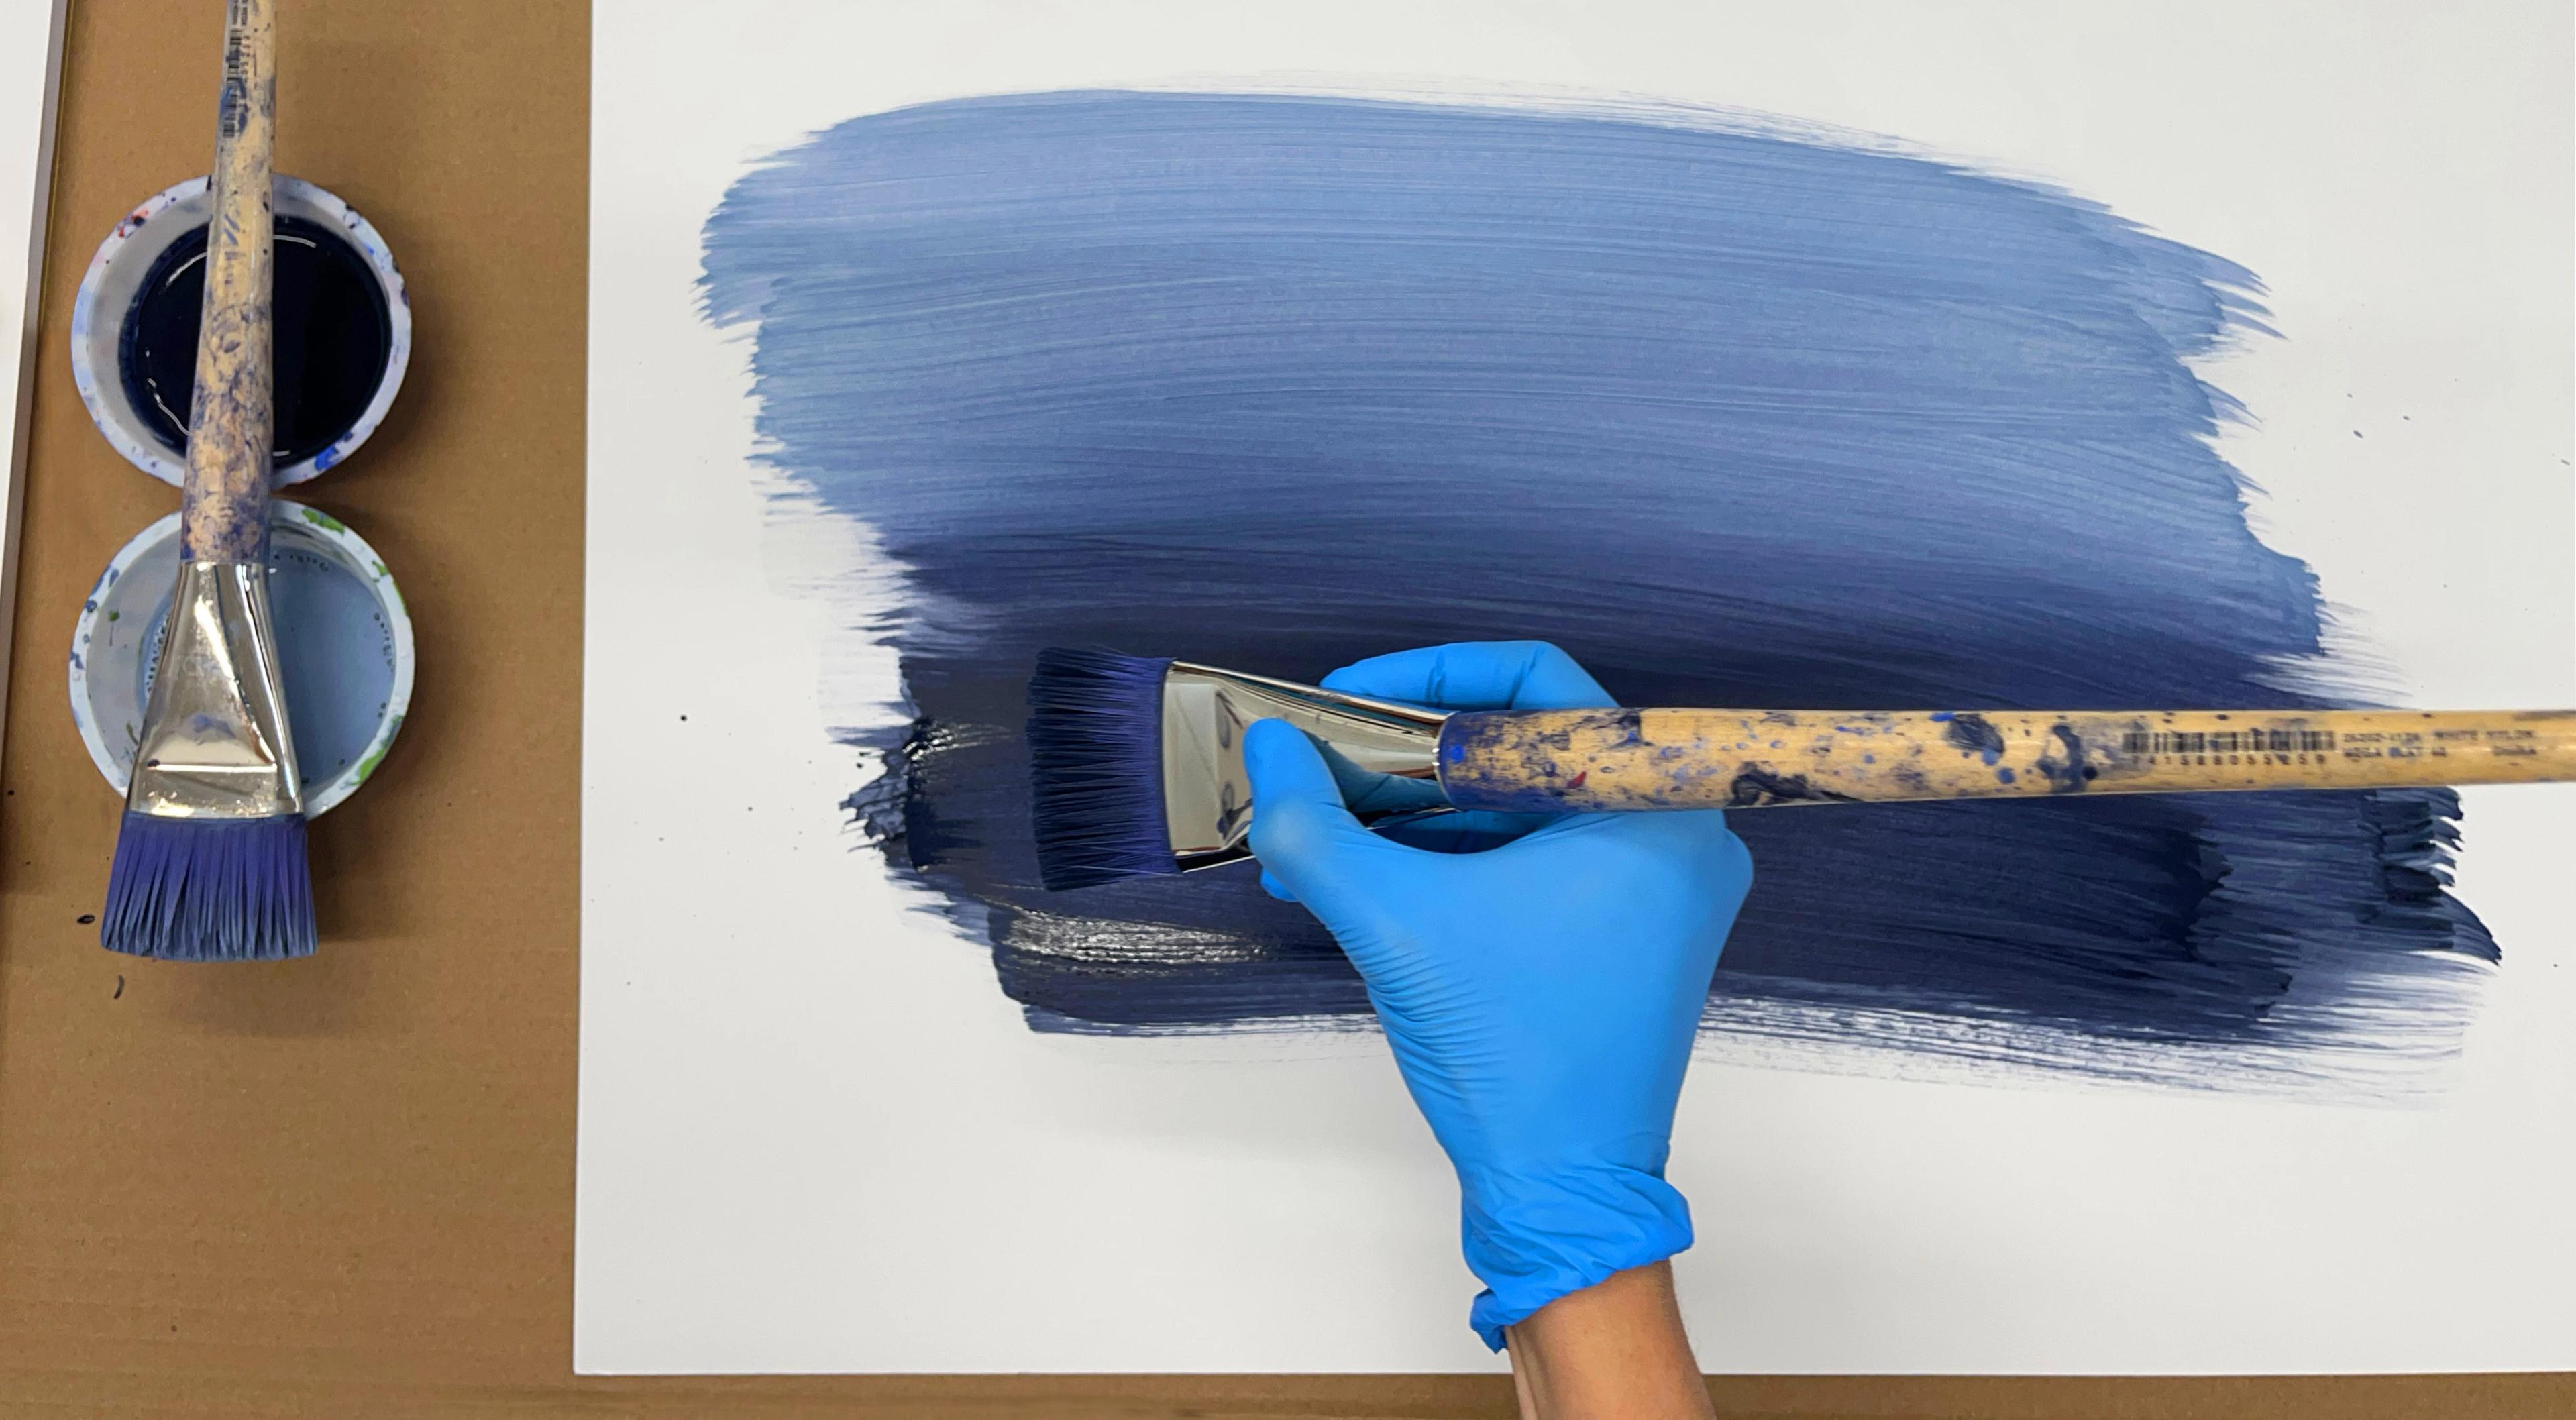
(1738, 418)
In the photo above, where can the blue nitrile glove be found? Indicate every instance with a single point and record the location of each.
(1541, 995)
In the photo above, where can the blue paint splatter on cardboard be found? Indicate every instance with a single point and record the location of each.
(1738, 415)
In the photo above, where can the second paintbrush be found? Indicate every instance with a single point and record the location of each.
(1139, 764)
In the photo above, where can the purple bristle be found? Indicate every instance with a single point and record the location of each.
(197, 889)
(1096, 757)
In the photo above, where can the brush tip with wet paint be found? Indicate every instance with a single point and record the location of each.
(1137, 764)
(209, 890)
(1095, 738)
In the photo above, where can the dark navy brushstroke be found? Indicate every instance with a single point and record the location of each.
(1737, 418)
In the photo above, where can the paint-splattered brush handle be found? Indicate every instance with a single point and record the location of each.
(1525, 760)
(224, 513)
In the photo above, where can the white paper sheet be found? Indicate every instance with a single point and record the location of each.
(815, 1137)
(31, 52)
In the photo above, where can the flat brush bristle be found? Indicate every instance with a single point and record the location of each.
(209, 889)
(1096, 760)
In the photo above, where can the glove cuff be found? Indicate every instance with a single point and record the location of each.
(1531, 1240)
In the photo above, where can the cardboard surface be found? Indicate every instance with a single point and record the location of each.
(344, 1186)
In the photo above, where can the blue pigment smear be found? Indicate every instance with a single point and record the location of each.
(1739, 417)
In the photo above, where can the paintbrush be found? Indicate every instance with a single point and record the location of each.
(210, 856)
(1139, 762)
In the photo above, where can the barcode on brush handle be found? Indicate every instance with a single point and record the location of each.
(2142, 743)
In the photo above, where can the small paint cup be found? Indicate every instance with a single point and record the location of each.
(344, 644)
(343, 334)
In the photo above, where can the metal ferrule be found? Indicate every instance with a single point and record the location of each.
(1382, 753)
(215, 741)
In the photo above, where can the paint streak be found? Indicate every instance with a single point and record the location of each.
(1738, 416)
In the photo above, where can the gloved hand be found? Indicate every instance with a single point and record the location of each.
(1541, 995)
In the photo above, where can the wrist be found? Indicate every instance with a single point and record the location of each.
(1615, 1348)
(1533, 1236)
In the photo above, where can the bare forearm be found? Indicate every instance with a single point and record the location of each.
(1613, 1349)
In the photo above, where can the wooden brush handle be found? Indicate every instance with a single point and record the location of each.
(223, 515)
(1547, 760)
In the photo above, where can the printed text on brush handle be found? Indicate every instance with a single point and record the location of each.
(1538, 760)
